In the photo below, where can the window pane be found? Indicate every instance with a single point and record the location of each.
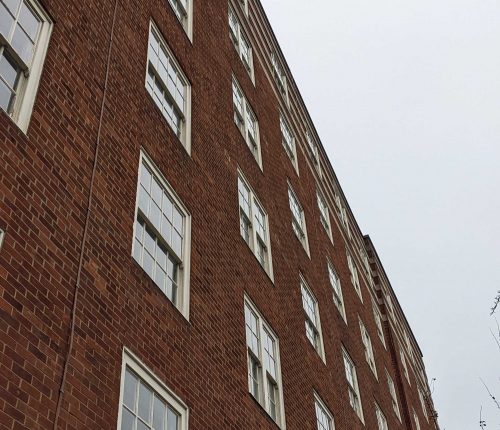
(9, 71)
(172, 420)
(6, 21)
(145, 399)
(29, 21)
(158, 414)
(6, 97)
(130, 390)
(128, 419)
(22, 44)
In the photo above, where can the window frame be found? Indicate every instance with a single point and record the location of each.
(353, 270)
(299, 229)
(319, 403)
(183, 286)
(404, 364)
(312, 147)
(422, 403)
(378, 323)
(368, 347)
(415, 419)
(290, 149)
(381, 418)
(27, 87)
(319, 347)
(353, 388)
(187, 22)
(337, 296)
(146, 375)
(236, 41)
(393, 394)
(324, 217)
(280, 78)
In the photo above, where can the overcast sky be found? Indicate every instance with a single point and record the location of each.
(405, 95)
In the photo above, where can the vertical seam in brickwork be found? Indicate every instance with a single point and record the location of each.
(84, 237)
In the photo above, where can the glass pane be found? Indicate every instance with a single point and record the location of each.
(148, 264)
(130, 390)
(155, 215)
(143, 200)
(172, 420)
(142, 426)
(166, 229)
(160, 278)
(167, 207)
(145, 399)
(177, 243)
(9, 71)
(128, 420)
(6, 21)
(156, 191)
(29, 21)
(158, 414)
(5, 97)
(22, 44)
(12, 5)
(177, 220)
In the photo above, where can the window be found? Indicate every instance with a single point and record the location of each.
(24, 37)
(352, 384)
(168, 87)
(381, 420)
(246, 121)
(298, 219)
(415, 418)
(378, 323)
(324, 418)
(337, 290)
(244, 5)
(422, 403)
(279, 77)
(264, 373)
(409, 347)
(254, 227)
(324, 213)
(390, 306)
(161, 243)
(241, 42)
(145, 402)
(354, 275)
(313, 151)
(313, 326)
(288, 140)
(392, 391)
(403, 362)
(183, 12)
(367, 345)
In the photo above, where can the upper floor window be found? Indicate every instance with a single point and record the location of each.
(313, 325)
(254, 226)
(381, 420)
(184, 13)
(24, 36)
(244, 5)
(169, 87)
(378, 323)
(367, 345)
(324, 418)
(394, 397)
(146, 403)
(241, 42)
(298, 219)
(324, 213)
(288, 139)
(264, 372)
(162, 235)
(313, 151)
(403, 362)
(280, 77)
(415, 418)
(338, 299)
(422, 403)
(246, 121)
(352, 383)
(390, 306)
(354, 275)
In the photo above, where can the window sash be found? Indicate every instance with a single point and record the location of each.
(323, 418)
(288, 138)
(246, 120)
(240, 41)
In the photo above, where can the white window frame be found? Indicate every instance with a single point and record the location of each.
(353, 270)
(186, 20)
(290, 147)
(353, 389)
(184, 267)
(338, 298)
(237, 35)
(2, 237)
(378, 322)
(268, 266)
(394, 396)
(319, 347)
(368, 347)
(244, 6)
(422, 403)
(29, 80)
(416, 420)
(324, 213)
(298, 226)
(381, 419)
(185, 137)
(404, 364)
(313, 151)
(253, 145)
(264, 380)
(131, 361)
(280, 78)
(320, 404)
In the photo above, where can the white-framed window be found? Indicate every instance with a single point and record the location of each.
(183, 10)
(354, 275)
(366, 263)
(390, 306)
(298, 218)
(254, 224)
(241, 42)
(162, 235)
(422, 403)
(338, 298)
(2, 237)
(367, 345)
(324, 418)
(280, 77)
(324, 213)
(24, 37)
(378, 323)
(264, 371)
(409, 347)
(313, 150)
(288, 140)
(381, 420)
(403, 362)
(146, 403)
(312, 322)
(352, 385)
(169, 87)
(244, 6)
(394, 397)
(415, 418)
(246, 121)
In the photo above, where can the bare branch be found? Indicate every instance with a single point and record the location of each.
(496, 302)
(491, 395)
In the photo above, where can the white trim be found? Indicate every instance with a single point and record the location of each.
(241, 35)
(367, 343)
(326, 410)
(317, 326)
(290, 150)
(322, 201)
(2, 238)
(355, 388)
(303, 227)
(394, 396)
(331, 268)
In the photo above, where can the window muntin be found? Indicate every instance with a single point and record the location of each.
(161, 235)
(288, 140)
(183, 11)
(168, 86)
(264, 374)
(403, 362)
(324, 418)
(312, 322)
(254, 226)
(352, 384)
(246, 121)
(422, 403)
(381, 420)
(338, 298)
(415, 418)
(324, 213)
(392, 391)
(367, 345)
(240, 42)
(354, 275)
(279, 76)
(24, 33)
(298, 218)
(378, 323)
(146, 403)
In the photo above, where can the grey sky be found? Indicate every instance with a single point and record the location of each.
(406, 98)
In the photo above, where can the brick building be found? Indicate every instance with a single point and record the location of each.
(175, 249)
